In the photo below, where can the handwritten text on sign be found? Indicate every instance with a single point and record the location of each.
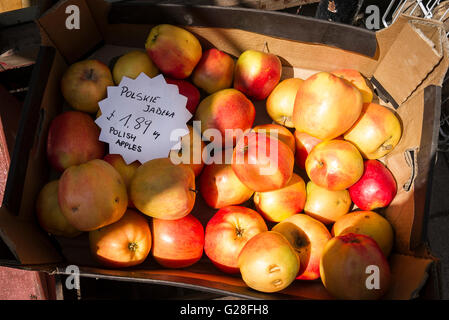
(139, 118)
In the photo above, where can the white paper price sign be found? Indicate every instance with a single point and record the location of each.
(143, 119)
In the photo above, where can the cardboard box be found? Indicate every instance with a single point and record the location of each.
(406, 62)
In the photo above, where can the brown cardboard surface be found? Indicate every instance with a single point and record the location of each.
(299, 59)
(419, 55)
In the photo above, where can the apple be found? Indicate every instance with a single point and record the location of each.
(326, 205)
(281, 101)
(304, 143)
(177, 243)
(227, 232)
(191, 152)
(334, 165)
(268, 263)
(49, 214)
(92, 195)
(277, 205)
(161, 189)
(220, 187)
(376, 133)
(279, 132)
(174, 50)
(368, 223)
(227, 109)
(326, 106)
(262, 163)
(375, 189)
(73, 140)
(124, 243)
(358, 81)
(132, 64)
(84, 84)
(214, 72)
(188, 90)
(347, 264)
(126, 171)
(308, 237)
(257, 73)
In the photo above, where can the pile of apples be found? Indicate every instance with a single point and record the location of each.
(273, 226)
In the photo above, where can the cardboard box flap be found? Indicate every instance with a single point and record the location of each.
(418, 48)
(58, 25)
(408, 276)
(26, 241)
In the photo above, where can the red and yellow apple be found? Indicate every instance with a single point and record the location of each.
(49, 214)
(132, 64)
(375, 189)
(124, 243)
(376, 132)
(278, 205)
(368, 223)
(268, 263)
(308, 237)
(304, 143)
(257, 73)
(214, 72)
(227, 232)
(226, 110)
(73, 140)
(279, 132)
(191, 152)
(174, 50)
(161, 189)
(92, 195)
(281, 101)
(353, 267)
(84, 84)
(187, 90)
(358, 81)
(326, 106)
(220, 187)
(334, 165)
(262, 163)
(177, 243)
(326, 205)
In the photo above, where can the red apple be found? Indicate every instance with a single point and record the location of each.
(174, 50)
(188, 90)
(226, 234)
(304, 144)
(375, 189)
(73, 140)
(277, 205)
(220, 187)
(262, 163)
(308, 237)
(214, 72)
(257, 73)
(334, 165)
(177, 243)
(353, 267)
(84, 84)
(227, 110)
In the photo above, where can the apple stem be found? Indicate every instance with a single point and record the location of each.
(193, 190)
(91, 73)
